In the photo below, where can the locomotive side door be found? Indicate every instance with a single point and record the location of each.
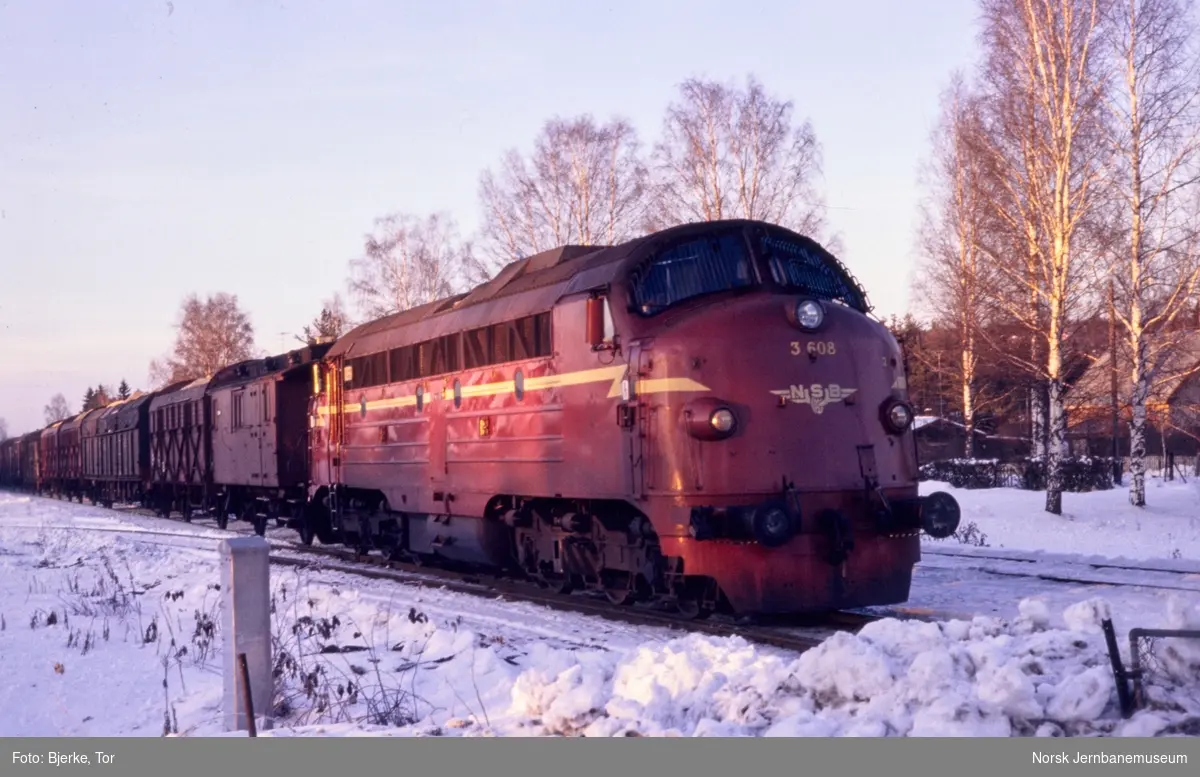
(333, 450)
(632, 417)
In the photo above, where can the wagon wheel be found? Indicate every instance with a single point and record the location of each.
(259, 521)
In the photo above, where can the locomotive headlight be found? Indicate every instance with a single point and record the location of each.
(722, 420)
(810, 314)
(897, 416)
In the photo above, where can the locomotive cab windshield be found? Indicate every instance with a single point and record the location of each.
(710, 264)
(732, 261)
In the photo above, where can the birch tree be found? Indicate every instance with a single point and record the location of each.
(584, 183)
(406, 262)
(953, 268)
(57, 410)
(1041, 68)
(735, 152)
(213, 332)
(1153, 105)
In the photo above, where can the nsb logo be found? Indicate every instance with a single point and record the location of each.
(815, 396)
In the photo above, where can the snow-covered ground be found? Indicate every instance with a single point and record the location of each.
(116, 632)
(1098, 523)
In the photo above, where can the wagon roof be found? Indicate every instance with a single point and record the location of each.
(278, 365)
(534, 283)
(51, 430)
(127, 412)
(182, 391)
(76, 421)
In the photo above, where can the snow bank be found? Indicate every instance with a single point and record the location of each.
(1096, 523)
(983, 677)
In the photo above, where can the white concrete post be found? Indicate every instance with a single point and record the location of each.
(246, 623)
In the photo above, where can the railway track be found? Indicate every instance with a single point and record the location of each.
(1181, 576)
(795, 634)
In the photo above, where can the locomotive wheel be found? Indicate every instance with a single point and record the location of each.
(617, 588)
(692, 602)
(693, 609)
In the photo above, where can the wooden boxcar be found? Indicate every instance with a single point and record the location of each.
(89, 453)
(260, 436)
(123, 450)
(31, 477)
(180, 476)
(70, 458)
(10, 462)
(48, 456)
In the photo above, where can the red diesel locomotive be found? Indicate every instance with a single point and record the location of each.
(706, 414)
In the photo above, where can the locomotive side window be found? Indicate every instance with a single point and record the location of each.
(402, 365)
(705, 265)
(476, 350)
(369, 370)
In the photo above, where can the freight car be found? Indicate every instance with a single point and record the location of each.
(706, 415)
(235, 444)
(10, 463)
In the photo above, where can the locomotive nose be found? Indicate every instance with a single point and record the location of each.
(939, 515)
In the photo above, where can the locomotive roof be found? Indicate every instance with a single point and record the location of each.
(535, 283)
(526, 286)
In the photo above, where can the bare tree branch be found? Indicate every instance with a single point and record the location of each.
(730, 152)
(584, 183)
(213, 333)
(408, 262)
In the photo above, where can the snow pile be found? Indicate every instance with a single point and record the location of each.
(983, 677)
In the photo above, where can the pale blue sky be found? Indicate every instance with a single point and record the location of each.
(146, 152)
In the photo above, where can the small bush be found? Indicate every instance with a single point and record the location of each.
(1079, 473)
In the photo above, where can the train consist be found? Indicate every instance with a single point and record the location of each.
(706, 415)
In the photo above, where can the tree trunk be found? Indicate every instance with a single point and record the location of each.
(1054, 449)
(1037, 426)
(968, 393)
(1137, 423)
(1058, 419)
